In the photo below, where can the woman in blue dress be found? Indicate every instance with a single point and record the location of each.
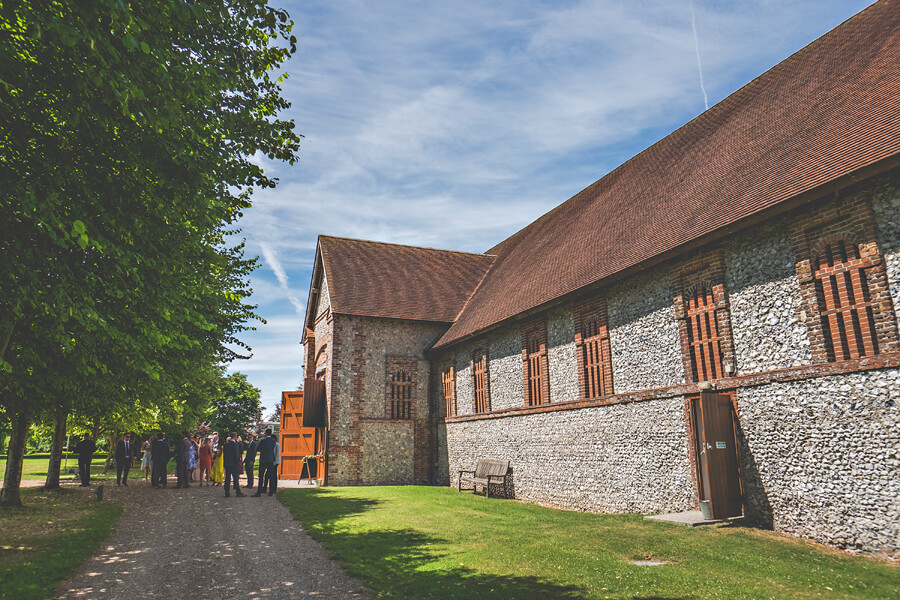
(192, 456)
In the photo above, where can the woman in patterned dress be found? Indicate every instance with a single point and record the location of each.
(205, 461)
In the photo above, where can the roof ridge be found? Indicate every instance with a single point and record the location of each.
(429, 248)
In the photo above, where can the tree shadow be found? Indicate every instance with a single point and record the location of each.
(407, 563)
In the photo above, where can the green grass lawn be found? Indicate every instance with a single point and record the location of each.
(431, 542)
(41, 543)
(36, 468)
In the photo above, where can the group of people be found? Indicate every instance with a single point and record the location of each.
(207, 460)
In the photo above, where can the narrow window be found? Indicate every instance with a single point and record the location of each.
(448, 379)
(479, 374)
(400, 400)
(536, 354)
(845, 304)
(703, 335)
(595, 355)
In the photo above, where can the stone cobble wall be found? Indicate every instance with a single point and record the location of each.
(822, 458)
(561, 356)
(387, 452)
(764, 300)
(643, 333)
(622, 458)
(322, 333)
(504, 348)
(886, 207)
(358, 400)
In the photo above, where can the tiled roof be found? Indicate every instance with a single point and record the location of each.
(375, 279)
(827, 111)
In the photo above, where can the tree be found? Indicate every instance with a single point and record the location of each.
(126, 132)
(237, 407)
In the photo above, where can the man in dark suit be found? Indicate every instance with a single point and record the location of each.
(266, 451)
(85, 451)
(231, 460)
(159, 455)
(124, 458)
(250, 459)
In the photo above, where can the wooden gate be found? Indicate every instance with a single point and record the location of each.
(718, 474)
(298, 443)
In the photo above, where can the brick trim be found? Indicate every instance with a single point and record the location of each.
(597, 344)
(448, 384)
(481, 355)
(849, 219)
(703, 271)
(535, 332)
(882, 361)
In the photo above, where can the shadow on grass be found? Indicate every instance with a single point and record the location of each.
(406, 563)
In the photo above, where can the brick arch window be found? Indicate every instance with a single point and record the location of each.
(594, 352)
(703, 332)
(401, 395)
(844, 289)
(400, 388)
(448, 383)
(480, 382)
(845, 303)
(534, 363)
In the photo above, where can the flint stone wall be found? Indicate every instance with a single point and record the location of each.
(629, 457)
(886, 207)
(821, 458)
(643, 333)
(505, 384)
(386, 454)
(561, 358)
(764, 300)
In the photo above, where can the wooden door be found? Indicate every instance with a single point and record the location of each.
(719, 479)
(297, 441)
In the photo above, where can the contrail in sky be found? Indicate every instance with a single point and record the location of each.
(281, 275)
(697, 50)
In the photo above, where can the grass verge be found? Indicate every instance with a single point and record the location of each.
(41, 543)
(430, 542)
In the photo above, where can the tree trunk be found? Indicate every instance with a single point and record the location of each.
(10, 495)
(113, 440)
(59, 438)
(4, 344)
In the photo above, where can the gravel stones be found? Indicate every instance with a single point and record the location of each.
(195, 543)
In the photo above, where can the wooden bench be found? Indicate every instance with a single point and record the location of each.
(487, 471)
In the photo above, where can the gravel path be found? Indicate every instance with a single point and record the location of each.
(196, 543)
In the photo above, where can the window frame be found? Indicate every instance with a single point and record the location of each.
(401, 381)
(481, 396)
(535, 368)
(594, 350)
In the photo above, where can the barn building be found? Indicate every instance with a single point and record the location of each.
(714, 321)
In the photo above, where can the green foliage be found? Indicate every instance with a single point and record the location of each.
(45, 542)
(126, 132)
(429, 542)
(236, 407)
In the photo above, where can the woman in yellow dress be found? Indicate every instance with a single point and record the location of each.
(218, 468)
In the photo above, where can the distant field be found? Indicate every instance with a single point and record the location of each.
(36, 468)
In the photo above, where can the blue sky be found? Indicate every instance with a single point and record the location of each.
(455, 124)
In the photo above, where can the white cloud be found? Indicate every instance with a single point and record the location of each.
(455, 124)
